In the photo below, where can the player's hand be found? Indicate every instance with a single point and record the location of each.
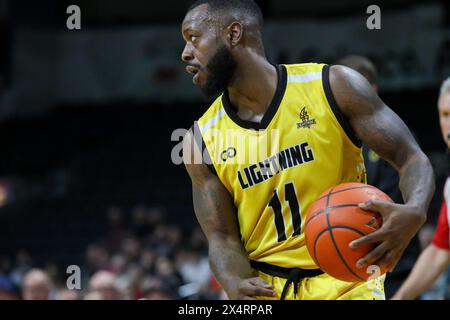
(249, 289)
(400, 224)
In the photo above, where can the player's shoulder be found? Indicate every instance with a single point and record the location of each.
(304, 68)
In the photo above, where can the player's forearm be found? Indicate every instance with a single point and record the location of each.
(229, 263)
(417, 182)
(430, 265)
(216, 214)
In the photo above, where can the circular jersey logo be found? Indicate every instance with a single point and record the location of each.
(228, 154)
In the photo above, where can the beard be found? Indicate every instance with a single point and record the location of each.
(221, 69)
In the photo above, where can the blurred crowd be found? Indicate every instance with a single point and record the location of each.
(140, 256)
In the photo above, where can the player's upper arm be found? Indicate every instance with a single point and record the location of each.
(373, 122)
(213, 203)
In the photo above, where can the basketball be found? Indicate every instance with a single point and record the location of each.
(333, 221)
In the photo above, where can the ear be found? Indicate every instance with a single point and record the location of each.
(235, 32)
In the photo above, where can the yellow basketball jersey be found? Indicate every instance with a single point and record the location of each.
(277, 168)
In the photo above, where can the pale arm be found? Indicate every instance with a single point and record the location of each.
(432, 262)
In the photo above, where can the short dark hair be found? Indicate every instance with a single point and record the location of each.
(361, 64)
(248, 7)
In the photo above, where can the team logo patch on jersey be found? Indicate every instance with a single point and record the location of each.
(228, 154)
(305, 121)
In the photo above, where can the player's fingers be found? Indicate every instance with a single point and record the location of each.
(258, 291)
(387, 261)
(253, 291)
(249, 289)
(382, 207)
(373, 256)
(376, 236)
(260, 283)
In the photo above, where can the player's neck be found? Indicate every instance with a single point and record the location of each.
(253, 88)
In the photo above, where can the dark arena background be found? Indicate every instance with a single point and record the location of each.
(87, 117)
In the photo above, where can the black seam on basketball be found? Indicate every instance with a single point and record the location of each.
(316, 259)
(318, 213)
(349, 228)
(335, 227)
(321, 232)
(328, 229)
(334, 240)
(352, 188)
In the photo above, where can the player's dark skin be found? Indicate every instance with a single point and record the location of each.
(251, 90)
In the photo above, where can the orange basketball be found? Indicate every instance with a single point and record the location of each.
(333, 221)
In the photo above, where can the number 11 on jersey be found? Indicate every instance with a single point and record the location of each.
(275, 204)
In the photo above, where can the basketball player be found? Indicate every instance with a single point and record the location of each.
(383, 176)
(435, 259)
(252, 211)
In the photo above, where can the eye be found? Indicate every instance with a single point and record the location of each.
(194, 39)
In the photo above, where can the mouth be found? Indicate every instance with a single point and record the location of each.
(193, 71)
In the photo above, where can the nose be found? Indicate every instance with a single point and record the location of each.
(187, 55)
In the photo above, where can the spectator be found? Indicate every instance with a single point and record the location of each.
(97, 258)
(194, 268)
(36, 285)
(165, 269)
(131, 248)
(155, 288)
(66, 294)
(103, 285)
(148, 260)
(23, 265)
(117, 228)
(435, 259)
(129, 280)
(168, 266)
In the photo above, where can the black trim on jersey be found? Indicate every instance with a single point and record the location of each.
(271, 111)
(342, 119)
(202, 146)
